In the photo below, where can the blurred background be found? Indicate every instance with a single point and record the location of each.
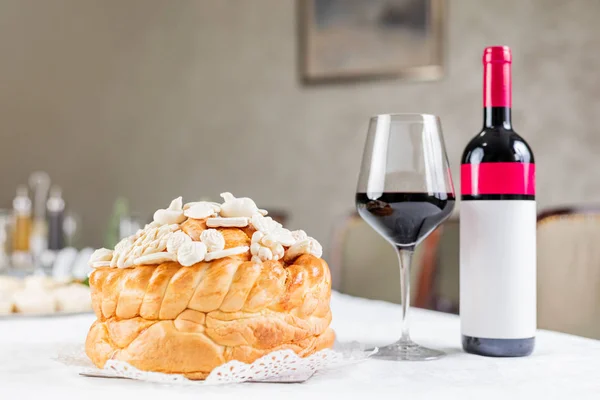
(126, 104)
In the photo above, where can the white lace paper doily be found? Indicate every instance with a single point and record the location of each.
(278, 366)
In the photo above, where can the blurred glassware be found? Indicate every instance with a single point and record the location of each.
(21, 262)
(120, 209)
(4, 239)
(39, 183)
(62, 267)
(21, 225)
(45, 262)
(129, 225)
(71, 228)
(80, 268)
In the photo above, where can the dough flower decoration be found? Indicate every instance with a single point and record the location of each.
(166, 240)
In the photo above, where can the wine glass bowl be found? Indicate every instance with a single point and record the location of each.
(404, 192)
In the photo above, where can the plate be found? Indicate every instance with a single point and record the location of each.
(52, 315)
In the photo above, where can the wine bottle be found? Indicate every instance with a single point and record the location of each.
(21, 230)
(498, 226)
(22, 220)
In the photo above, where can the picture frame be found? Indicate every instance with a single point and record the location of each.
(343, 40)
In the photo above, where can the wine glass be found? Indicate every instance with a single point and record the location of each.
(404, 192)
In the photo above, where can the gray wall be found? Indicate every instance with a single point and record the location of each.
(151, 99)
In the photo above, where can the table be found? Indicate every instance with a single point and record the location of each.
(563, 366)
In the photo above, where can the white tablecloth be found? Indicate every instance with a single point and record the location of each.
(562, 366)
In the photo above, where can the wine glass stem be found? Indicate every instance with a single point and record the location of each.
(405, 258)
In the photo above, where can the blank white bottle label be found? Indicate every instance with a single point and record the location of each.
(498, 268)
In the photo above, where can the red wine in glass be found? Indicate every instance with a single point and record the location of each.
(404, 219)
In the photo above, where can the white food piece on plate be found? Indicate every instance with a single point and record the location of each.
(9, 285)
(6, 305)
(39, 282)
(176, 239)
(172, 215)
(101, 255)
(213, 239)
(200, 210)
(73, 298)
(226, 253)
(35, 301)
(191, 253)
(239, 207)
(307, 246)
(233, 222)
(44, 295)
(155, 258)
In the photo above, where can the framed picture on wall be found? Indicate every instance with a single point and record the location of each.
(359, 39)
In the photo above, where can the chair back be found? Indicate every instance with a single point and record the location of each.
(568, 252)
(364, 264)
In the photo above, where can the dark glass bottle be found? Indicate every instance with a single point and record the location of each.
(55, 210)
(498, 226)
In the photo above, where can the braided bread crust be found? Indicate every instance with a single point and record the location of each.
(189, 320)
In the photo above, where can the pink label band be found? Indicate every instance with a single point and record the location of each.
(497, 178)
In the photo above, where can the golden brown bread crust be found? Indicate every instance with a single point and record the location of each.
(189, 320)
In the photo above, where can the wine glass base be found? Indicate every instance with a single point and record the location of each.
(407, 350)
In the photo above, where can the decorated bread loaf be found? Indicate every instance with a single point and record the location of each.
(206, 283)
